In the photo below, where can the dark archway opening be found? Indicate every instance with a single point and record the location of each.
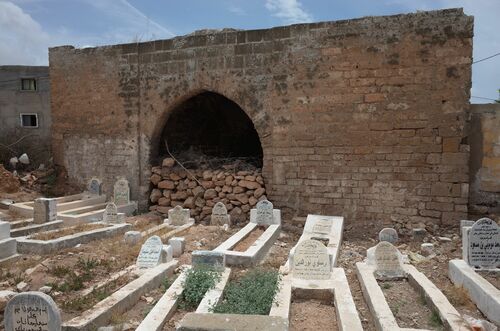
(209, 128)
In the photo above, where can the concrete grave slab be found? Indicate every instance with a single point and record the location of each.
(44, 210)
(213, 259)
(35, 228)
(218, 322)
(484, 294)
(8, 245)
(32, 311)
(93, 213)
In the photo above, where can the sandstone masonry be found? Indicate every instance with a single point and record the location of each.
(363, 118)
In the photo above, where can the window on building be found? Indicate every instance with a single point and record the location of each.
(28, 84)
(29, 120)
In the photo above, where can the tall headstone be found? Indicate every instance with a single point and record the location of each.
(484, 244)
(178, 216)
(121, 192)
(110, 213)
(389, 235)
(220, 215)
(311, 261)
(264, 214)
(150, 254)
(388, 261)
(95, 186)
(44, 210)
(32, 311)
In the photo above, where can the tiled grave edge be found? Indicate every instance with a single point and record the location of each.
(483, 293)
(382, 314)
(27, 246)
(121, 300)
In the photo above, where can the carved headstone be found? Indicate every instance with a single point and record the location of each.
(150, 254)
(178, 216)
(388, 261)
(110, 213)
(32, 311)
(44, 210)
(484, 244)
(121, 192)
(95, 186)
(389, 235)
(264, 214)
(219, 215)
(311, 261)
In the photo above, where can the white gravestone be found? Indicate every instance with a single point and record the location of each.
(110, 213)
(44, 210)
(318, 226)
(95, 186)
(32, 311)
(388, 261)
(484, 244)
(389, 235)
(178, 216)
(151, 253)
(311, 261)
(220, 215)
(264, 215)
(121, 192)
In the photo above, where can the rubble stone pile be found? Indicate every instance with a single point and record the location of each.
(200, 189)
(8, 182)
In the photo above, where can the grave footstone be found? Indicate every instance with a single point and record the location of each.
(388, 261)
(213, 259)
(178, 216)
(110, 213)
(264, 213)
(220, 215)
(132, 237)
(311, 261)
(484, 244)
(32, 311)
(151, 253)
(121, 192)
(44, 210)
(95, 186)
(389, 235)
(178, 244)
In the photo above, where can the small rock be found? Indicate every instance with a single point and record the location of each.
(415, 257)
(5, 296)
(45, 289)
(24, 159)
(427, 249)
(23, 287)
(419, 234)
(444, 239)
(132, 237)
(168, 162)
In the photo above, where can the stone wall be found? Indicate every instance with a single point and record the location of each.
(362, 118)
(484, 140)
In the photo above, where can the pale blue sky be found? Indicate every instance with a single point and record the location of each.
(29, 27)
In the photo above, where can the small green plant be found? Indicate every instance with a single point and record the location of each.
(59, 271)
(386, 286)
(165, 284)
(87, 264)
(198, 281)
(435, 320)
(252, 294)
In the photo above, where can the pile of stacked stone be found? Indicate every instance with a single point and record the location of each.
(199, 190)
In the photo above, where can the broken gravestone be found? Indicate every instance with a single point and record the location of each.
(32, 311)
(264, 213)
(110, 213)
(318, 225)
(389, 235)
(484, 244)
(121, 192)
(150, 254)
(178, 216)
(388, 261)
(220, 215)
(44, 210)
(311, 261)
(95, 186)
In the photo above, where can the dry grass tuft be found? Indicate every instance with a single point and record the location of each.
(49, 235)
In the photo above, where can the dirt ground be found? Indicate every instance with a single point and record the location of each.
(245, 244)
(312, 315)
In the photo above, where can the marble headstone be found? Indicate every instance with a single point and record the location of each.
(32, 311)
(264, 214)
(213, 259)
(110, 213)
(219, 215)
(95, 186)
(151, 253)
(311, 261)
(121, 192)
(484, 244)
(178, 216)
(389, 235)
(44, 210)
(388, 261)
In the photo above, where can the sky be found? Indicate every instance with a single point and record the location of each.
(29, 27)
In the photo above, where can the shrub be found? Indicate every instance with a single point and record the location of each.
(252, 294)
(198, 281)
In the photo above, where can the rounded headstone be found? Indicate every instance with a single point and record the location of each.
(32, 311)
(264, 214)
(150, 254)
(389, 235)
(311, 261)
(484, 244)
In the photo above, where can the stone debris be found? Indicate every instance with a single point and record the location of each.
(22, 287)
